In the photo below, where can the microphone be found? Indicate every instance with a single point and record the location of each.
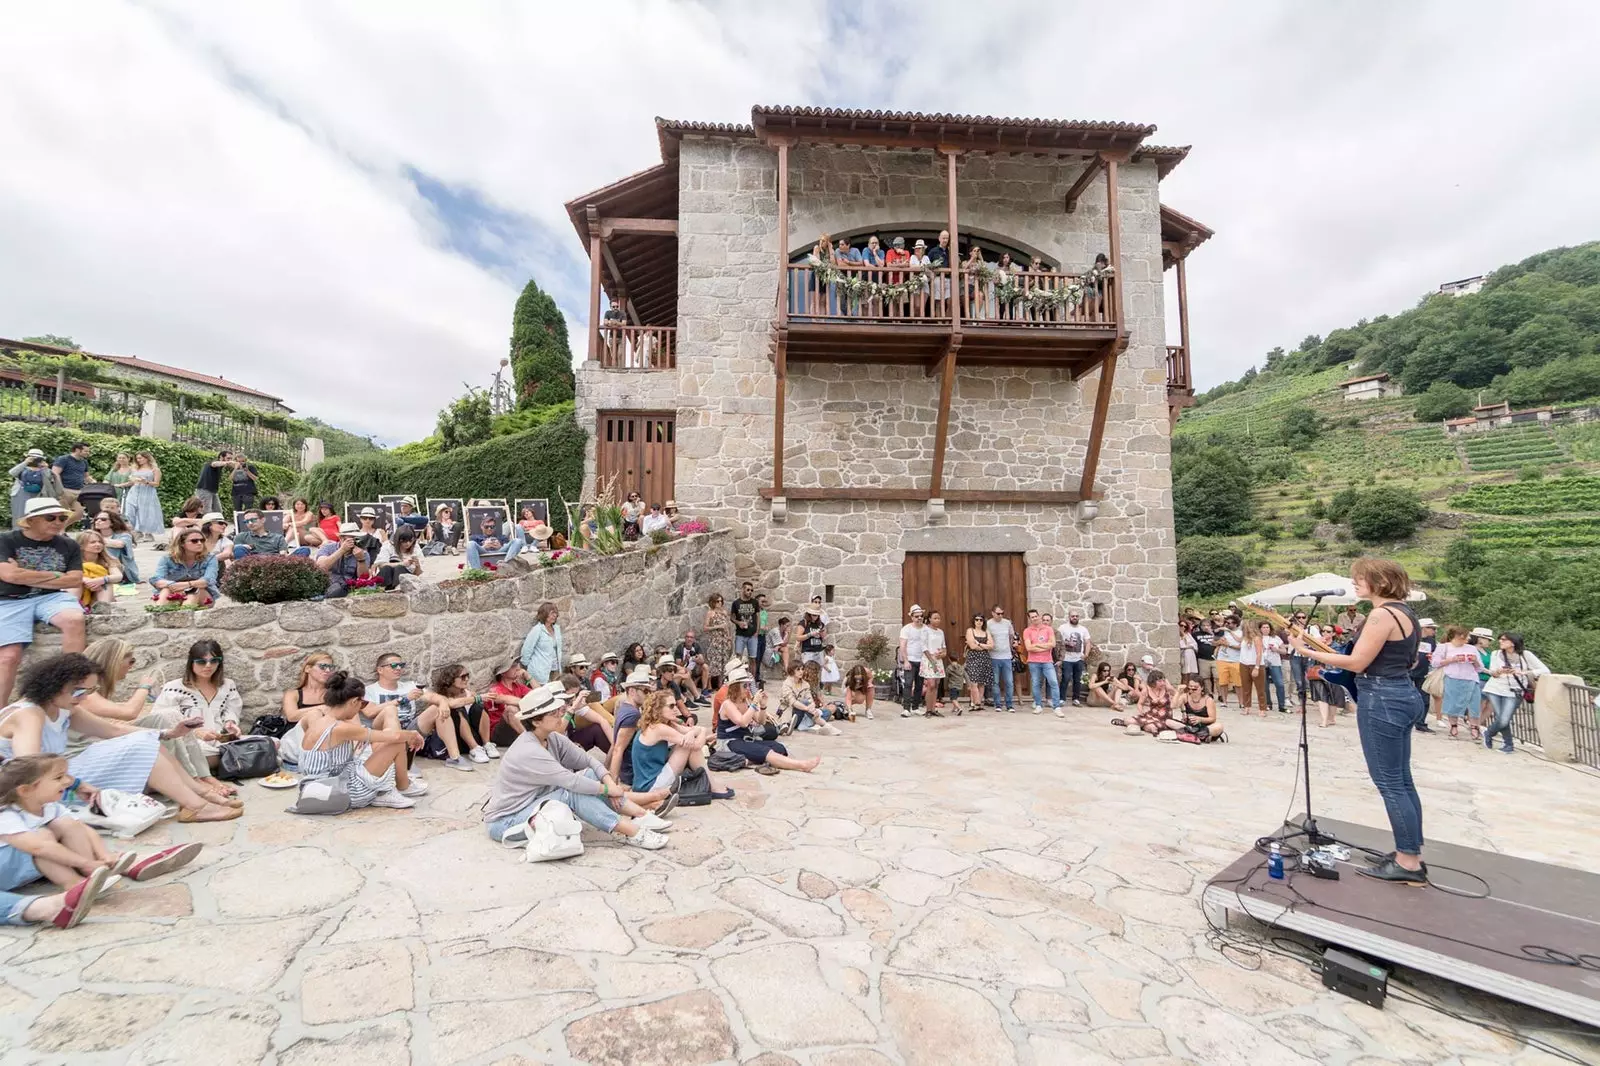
(1325, 593)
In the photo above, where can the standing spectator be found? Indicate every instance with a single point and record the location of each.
(542, 651)
(934, 655)
(245, 477)
(1272, 648)
(1205, 653)
(1001, 635)
(41, 572)
(746, 617)
(1230, 642)
(976, 288)
(186, 574)
(1252, 675)
(1004, 268)
(72, 470)
(1189, 669)
(1075, 648)
(897, 256)
(1298, 663)
(210, 476)
(142, 506)
(1462, 693)
(977, 665)
(763, 621)
(1426, 642)
(830, 674)
(919, 261)
(1513, 673)
(1038, 640)
(718, 629)
(1352, 620)
(118, 539)
(33, 479)
(813, 633)
(940, 259)
(913, 643)
(117, 477)
(343, 560)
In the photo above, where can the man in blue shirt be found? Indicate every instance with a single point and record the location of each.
(73, 470)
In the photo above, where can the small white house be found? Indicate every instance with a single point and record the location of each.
(1371, 387)
(1464, 287)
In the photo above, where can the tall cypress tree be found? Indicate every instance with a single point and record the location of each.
(541, 361)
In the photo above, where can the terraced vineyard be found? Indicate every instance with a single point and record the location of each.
(1562, 533)
(1558, 496)
(1508, 449)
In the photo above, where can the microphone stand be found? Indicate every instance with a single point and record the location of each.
(1308, 827)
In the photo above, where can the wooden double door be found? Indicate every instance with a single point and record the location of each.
(639, 448)
(961, 584)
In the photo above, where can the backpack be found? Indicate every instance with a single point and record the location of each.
(726, 762)
(32, 479)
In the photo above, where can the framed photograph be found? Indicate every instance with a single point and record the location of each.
(496, 517)
(490, 502)
(540, 510)
(394, 501)
(352, 513)
(458, 507)
(279, 522)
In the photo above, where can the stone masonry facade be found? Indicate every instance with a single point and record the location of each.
(874, 425)
(649, 594)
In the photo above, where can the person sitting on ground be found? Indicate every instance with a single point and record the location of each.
(186, 574)
(745, 728)
(636, 654)
(214, 528)
(444, 532)
(798, 704)
(399, 557)
(858, 690)
(500, 702)
(1155, 706)
(691, 658)
(123, 757)
(636, 688)
(256, 539)
(206, 693)
(372, 535)
(338, 744)
(832, 707)
(394, 702)
(605, 678)
(343, 560)
(118, 540)
(300, 518)
(544, 765)
(41, 572)
(460, 717)
(1198, 714)
(309, 691)
(1103, 691)
(101, 575)
(681, 685)
(188, 518)
(113, 658)
(589, 724)
(663, 750)
(1128, 686)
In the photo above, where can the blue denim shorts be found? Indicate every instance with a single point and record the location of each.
(18, 617)
(16, 868)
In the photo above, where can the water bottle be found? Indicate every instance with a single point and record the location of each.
(1275, 863)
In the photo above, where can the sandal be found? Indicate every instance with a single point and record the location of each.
(1454, 729)
(767, 771)
(1119, 722)
(228, 813)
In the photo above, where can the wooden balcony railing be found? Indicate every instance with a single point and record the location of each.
(1178, 377)
(637, 347)
(984, 301)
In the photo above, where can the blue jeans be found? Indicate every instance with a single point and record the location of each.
(240, 551)
(12, 906)
(1275, 681)
(1505, 708)
(514, 545)
(1042, 679)
(1387, 708)
(591, 810)
(1298, 666)
(1002, 681)
(1072, 680)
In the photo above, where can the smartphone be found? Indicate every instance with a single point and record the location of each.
(193, 723)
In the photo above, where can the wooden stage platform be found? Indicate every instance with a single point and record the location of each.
(1474, 942)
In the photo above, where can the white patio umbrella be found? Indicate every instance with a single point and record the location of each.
(1340, 586)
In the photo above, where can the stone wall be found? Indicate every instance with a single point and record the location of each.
(645, 594)
(859, 425)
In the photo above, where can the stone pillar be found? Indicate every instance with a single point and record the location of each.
(310, 452)
(156, 421)
(1552, 716)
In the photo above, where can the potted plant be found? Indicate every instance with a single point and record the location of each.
(872, 648)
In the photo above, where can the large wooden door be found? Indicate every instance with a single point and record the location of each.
(640, 449)
(961, 584)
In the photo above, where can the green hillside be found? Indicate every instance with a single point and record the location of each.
(1281, 469)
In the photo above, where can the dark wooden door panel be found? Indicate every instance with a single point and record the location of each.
(640, 450)
(961, 584)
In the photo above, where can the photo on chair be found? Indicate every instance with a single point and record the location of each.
(495, 517)
(535, 510)
(381, 511)
(394, 501)
(280, 523)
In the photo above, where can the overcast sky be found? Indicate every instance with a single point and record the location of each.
(338, 202)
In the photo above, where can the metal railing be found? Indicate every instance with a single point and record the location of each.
(214, 430)
(1585, 724)
(107, 412)
(1523, 729)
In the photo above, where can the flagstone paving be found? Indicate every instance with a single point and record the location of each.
(982, 890)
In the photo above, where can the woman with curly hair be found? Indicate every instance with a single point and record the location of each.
(663, 749)
(124, 757)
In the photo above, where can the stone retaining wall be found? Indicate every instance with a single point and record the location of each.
(646, 594)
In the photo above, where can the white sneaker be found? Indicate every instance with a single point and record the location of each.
(831, 731)
(458, 763)
(418, 787)
(393, 799)
(869, 716)
(1037, 708)
(903, 714)
(1059, 714)
(653, 821)
(648, 839)
(478, 755)
(492, 751)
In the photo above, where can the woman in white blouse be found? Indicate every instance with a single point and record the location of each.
(1513, 673)
(206, 692)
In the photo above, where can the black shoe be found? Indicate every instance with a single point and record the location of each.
(1389, 870)
(672, 799)
(1422, 727)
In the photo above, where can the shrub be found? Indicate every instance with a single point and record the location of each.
(661, 536)
(542, 463)
(1317, 508)
(1387, 513)
(1303, 528)
(1300, 427)
(1444, 399)
(180, 463)
(361, 476)
(1531, 472)
(1207, 565)
(273, 579)
(872, 647)
(1270, 531)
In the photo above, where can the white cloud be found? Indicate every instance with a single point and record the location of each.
(222, 186)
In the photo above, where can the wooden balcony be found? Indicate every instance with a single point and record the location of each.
(1001, 325)
(1178, 376)
(624, 347)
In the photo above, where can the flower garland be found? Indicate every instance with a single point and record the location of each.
(1008, 289)
(857, 286)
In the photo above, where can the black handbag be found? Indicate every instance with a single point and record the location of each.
(270, 725)
(247, 757)
(694, 788)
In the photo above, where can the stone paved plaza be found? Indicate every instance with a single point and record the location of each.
(979, 890)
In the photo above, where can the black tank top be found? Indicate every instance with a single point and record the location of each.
(300, 700)
(1396, 657)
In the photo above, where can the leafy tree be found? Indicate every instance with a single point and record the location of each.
(1311, 343)
(541, 361)
(1300, 427)
(1207, 566)
(1210, 490)
(55, 340)
(1544, 339)
(1444, 399)
(1386, 513)
(1340, 347)
(466, 421)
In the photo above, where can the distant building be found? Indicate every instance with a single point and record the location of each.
(188, 380)
(1464, 287)
(1371, 387)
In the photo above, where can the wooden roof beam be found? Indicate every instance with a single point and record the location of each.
(659, 227)
(1080, 186)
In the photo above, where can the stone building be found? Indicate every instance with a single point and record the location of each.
(886, 437)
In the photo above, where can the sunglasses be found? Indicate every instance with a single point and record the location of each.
(322, 666)
(195, 540)
(79, 693)
(396, 665)
(207, 660)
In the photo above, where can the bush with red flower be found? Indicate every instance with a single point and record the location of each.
(273, 579)
(692, 525)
